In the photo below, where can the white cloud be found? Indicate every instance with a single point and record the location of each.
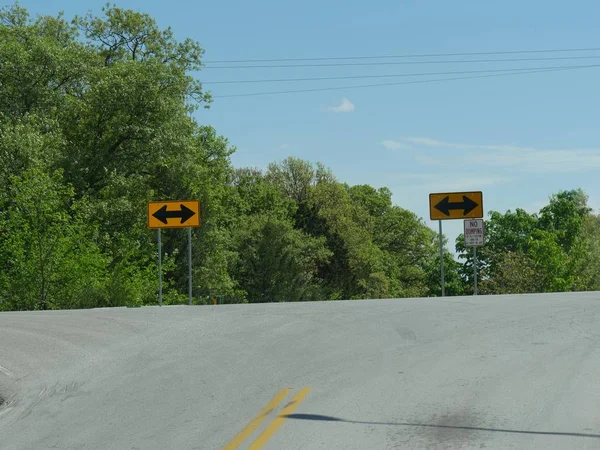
(345, 106)
(429, 160)
(428, 142)
(284, 146)
(395, 145)
(543, 160)
(413, 176)
(524, 159)
(455, 182)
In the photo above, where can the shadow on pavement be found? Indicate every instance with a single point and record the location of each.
(426, 425)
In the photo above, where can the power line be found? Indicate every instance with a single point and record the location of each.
(430, 55)
(467, 61)
(349, 77)
(337, 88)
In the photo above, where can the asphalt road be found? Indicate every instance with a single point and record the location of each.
(518, 372)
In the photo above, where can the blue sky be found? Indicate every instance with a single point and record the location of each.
(516, 138)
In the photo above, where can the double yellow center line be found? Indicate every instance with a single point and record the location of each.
(272, 428)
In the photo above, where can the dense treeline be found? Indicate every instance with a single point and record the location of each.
(96, 120)
(556, 250)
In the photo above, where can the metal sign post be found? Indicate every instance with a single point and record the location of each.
(475, 270)
(442, 260)
(159, 268)
(190, 265)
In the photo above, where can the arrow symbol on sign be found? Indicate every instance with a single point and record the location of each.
(184, 214)
(445, 206)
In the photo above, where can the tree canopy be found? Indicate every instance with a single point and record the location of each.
(96, 119)
(552, 251)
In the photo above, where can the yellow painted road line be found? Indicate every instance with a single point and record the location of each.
(255, 423)
(278, 421)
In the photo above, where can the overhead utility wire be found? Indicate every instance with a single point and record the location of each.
(467, 61)
(431, 55)
(437, 80)
(350, 77)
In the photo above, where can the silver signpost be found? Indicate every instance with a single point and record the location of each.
(442, 260)
(475, 270)
(190, 265)
(159, 268)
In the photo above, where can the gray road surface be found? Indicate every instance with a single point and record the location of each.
(518, 372)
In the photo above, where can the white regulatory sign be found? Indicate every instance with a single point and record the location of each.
(474, 232)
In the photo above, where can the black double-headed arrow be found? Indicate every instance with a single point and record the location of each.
(184, 214)
(445, 206)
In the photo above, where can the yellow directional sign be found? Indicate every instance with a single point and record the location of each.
(456, 205)
(174, 214)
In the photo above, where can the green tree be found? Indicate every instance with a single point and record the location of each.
(549, 249)
(43, 64)
(454, 280)
(409, 245)
(348, 233)
(550, 257)
(279, 263)
(516, 273)
(585, 256)
(564, 216)
(116, 92)
(49, 255)
(511, 232)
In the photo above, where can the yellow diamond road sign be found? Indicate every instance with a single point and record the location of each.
(456, 205)
(174, 214)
